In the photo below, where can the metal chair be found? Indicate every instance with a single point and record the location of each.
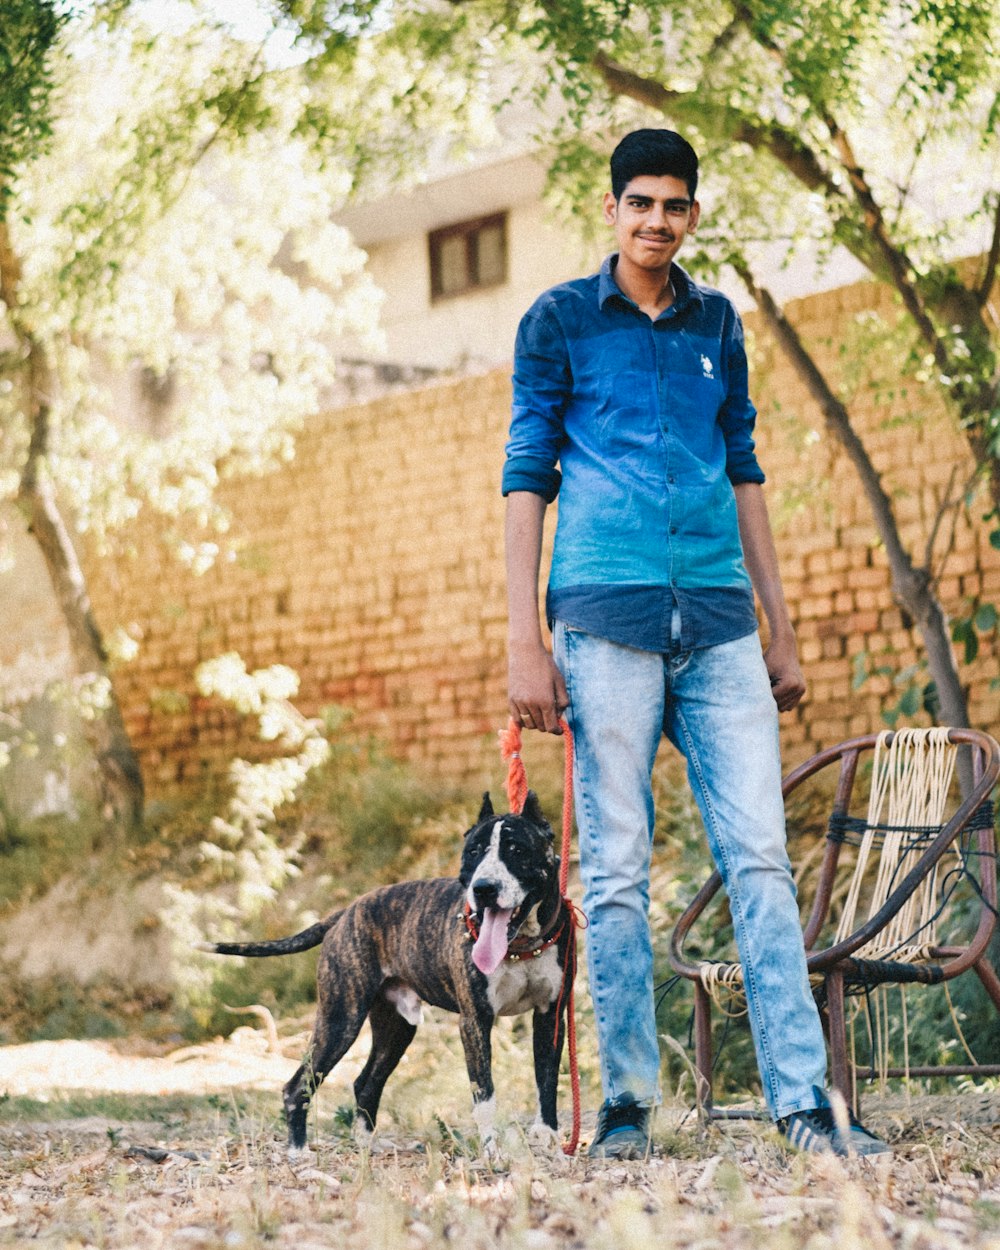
(874, 921)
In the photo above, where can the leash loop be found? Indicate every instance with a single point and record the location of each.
(517, 794)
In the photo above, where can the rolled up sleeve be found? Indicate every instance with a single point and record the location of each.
(542, 384)
(737, 415)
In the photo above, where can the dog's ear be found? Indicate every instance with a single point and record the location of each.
(486, 811)
(533, 811)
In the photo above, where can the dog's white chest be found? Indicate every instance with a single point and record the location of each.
(528, 984)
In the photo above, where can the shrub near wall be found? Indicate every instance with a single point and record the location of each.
(373, 565)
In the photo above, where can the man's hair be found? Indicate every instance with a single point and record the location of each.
(656, 152)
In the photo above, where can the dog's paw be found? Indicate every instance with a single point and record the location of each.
(364, 1136)
(542, 1139)
(300, 1156)
(492, 1156)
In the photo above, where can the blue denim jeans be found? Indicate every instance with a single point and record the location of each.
(715, 706)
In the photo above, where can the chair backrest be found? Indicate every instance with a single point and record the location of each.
(912, 773)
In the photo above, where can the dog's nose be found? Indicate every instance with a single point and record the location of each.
(485, 892)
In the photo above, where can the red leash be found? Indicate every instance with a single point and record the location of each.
(517, 793)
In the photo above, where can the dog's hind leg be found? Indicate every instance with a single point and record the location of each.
(327, 1048)
(391, 1034)
(300, 1090)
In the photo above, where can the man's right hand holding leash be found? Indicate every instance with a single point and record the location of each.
(536, 690)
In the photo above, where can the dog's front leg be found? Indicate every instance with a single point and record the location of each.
(475, 1029)
(548, 1029)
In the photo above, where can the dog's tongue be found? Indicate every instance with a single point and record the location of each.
(491, 945)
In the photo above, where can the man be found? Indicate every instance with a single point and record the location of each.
(634, 381)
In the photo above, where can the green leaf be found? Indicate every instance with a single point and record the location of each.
(931, 701)
(986, 618)
(859, 666)
(961, 629)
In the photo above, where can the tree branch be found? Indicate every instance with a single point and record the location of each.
(992, 261)
(912, 586)
(834, 412)
(785, 145)
(894, 256)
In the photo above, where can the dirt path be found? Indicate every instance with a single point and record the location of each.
(42, 1069)
(104, 1148)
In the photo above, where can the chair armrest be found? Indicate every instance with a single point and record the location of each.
(678, 960)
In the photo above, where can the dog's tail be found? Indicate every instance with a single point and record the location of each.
(303, 941)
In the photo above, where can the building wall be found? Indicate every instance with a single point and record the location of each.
(476, 328)
(373, 565)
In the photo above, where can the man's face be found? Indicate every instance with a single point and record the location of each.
(651, 219)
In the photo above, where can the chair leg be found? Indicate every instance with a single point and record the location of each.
(703, 1047)
(989, 978)
(841, 1074)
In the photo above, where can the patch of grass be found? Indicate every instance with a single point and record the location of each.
(37, 1009)
(360, 808)
(35, 854)
(987, 1215)
(171, 1110)
(285, 986)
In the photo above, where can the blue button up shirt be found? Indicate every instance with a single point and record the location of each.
(650, 424)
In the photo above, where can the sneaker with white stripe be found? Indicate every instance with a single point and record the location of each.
(817, 1131)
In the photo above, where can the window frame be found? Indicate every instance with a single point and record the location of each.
(470, 231)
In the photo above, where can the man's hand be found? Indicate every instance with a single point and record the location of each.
(536, 690)
(787, 682)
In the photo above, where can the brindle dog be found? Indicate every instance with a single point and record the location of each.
(494, 942)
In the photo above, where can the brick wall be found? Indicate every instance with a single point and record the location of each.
(373, 565)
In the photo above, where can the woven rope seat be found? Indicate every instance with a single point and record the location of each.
(884, 887)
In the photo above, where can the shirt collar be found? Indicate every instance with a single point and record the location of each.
(685, 287)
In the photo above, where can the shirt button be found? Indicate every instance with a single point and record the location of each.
(673, 529)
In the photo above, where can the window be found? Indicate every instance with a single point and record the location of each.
(468, 256)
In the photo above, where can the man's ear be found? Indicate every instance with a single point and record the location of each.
(610, 209)
(694, 217)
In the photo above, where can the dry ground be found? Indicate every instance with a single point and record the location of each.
(106, 1147)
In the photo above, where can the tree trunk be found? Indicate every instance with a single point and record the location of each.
(120, 787)
(912, 587)
(119, 775)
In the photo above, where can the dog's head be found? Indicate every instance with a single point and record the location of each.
(509, 867)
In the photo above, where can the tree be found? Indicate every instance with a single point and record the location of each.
(29, 31)
(867, 127)
(171, 286)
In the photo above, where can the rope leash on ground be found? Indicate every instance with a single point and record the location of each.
(517, 793)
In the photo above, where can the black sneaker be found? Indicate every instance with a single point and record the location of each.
(817, 1131)
(622, 1130)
